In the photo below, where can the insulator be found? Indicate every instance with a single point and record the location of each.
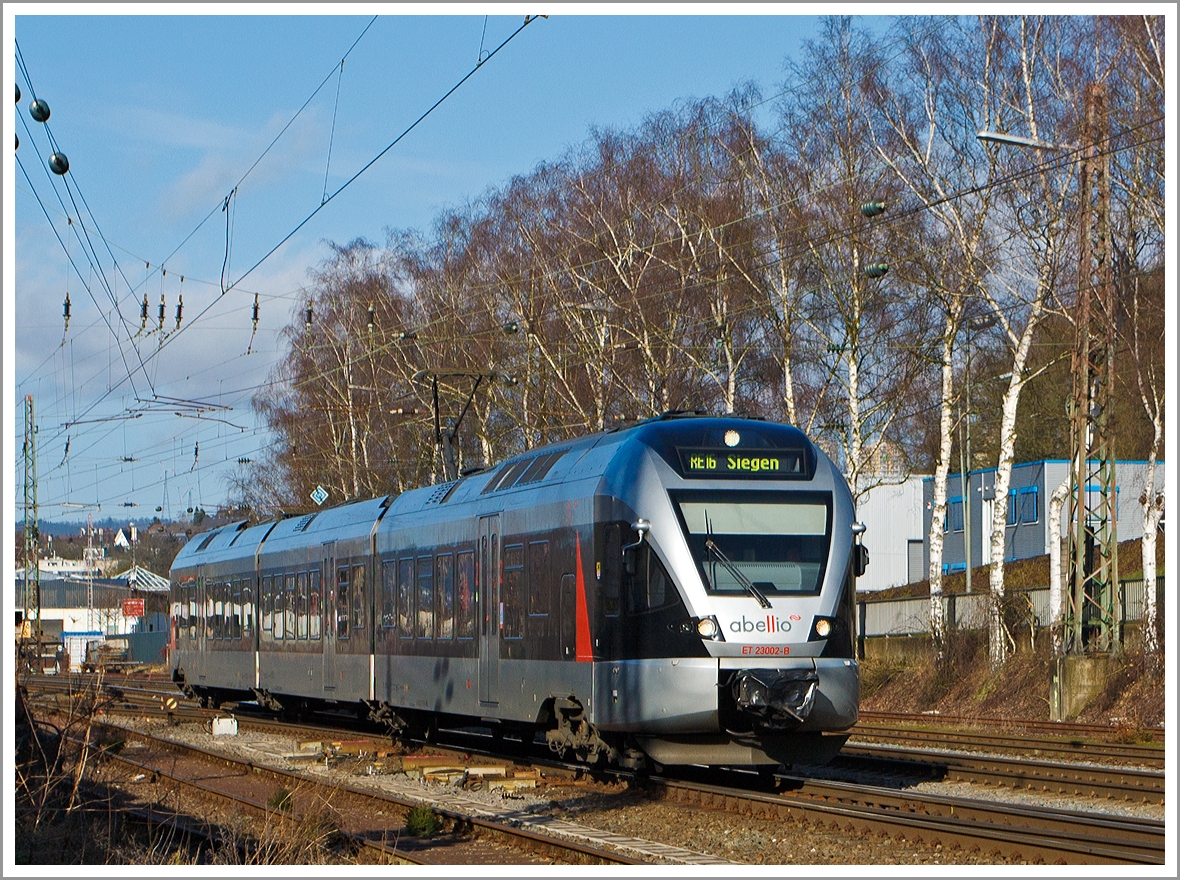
(179, 309)
(872, 209)
(410, 335)
(308, 321)
(39, 110)
(143, 311)
(255, 311)
(244, 460)
(58, 163)
(161, 311)
(372, 319)
(876, 270)
(407, 411)
(66, 307)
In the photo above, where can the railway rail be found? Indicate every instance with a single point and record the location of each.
(1065, 746)
(254, 787)
(1065, 729)
(1083, 780)
(1000, 830)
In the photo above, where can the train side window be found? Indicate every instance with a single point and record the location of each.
(191, 619)
(237, 616)
(268, 603)
(512, 592)
(359, 604)
(444, 578)
(279, 615)
(289, 608)
(388, 594)
(248, 609)
(650, 587)
(539, 577)
(342, 599)
(315, 606)
(405, 598)
(301, 600)
(465, 595)
(612, 564)
(218, 618)
(425, 609)
(205, 608)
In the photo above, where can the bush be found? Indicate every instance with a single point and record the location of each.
(422, 822)
(280, 801)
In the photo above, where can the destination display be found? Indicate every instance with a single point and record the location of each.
(755, 464)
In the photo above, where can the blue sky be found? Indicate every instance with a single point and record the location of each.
(161, 115)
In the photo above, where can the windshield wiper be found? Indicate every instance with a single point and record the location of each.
(739, 576)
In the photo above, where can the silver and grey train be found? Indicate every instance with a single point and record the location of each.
(681, 591)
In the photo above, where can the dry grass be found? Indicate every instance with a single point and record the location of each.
(1133, 699)
(69, 809)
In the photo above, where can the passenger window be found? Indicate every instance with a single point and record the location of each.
(539, 577)
(465, 596)
(268, 603)
(388, 594)
(425, 597)
(315, 604)
(247, 609)
(289, 608)
(358, 597)
(279, 614)
(405, 598)
(301, 599)
(512, 592)
(218, 610)
(237, 615)
(444, 577)
(342, 600)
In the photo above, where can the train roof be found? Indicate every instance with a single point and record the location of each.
(557, 464)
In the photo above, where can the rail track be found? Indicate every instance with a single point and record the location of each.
(1026, 745)
(1063, 729)
(368, 819)
(997, 830)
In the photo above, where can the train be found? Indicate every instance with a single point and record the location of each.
(680, 591)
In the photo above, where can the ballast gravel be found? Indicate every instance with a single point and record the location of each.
(623, 810)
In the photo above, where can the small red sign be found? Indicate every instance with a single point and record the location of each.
(133, 607)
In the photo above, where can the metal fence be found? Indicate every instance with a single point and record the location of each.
(904, 617)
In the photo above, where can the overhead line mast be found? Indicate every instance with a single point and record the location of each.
(1094, 612)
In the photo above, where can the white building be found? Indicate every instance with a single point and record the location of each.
(892, 514)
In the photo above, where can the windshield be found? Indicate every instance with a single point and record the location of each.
(757, 546)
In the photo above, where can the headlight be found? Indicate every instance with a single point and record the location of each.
(821, 628)
(707, 628)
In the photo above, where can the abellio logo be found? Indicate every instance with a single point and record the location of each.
(769, 624)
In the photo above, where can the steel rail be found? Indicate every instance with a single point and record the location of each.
(517, 838)
(1083, 780)
(1007, 842)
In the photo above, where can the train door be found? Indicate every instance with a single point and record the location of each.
(328, 612)
(491, 610)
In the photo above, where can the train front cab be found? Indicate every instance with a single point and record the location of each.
(749, 592)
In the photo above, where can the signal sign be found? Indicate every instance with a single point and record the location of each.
(320, 495)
